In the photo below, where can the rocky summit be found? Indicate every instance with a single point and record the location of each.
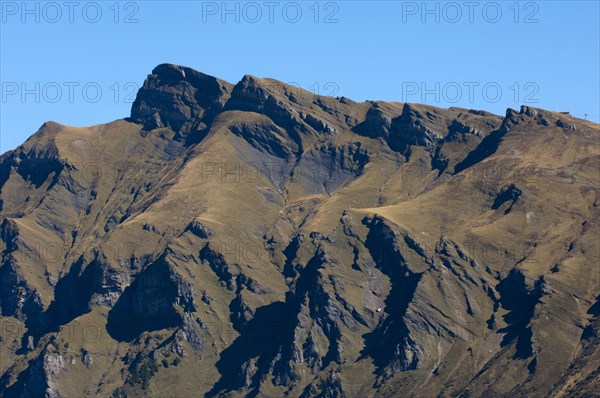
(258, 240)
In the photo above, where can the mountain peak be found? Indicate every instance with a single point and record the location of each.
(179, 98)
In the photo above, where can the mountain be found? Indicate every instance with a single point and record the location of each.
(258, 240)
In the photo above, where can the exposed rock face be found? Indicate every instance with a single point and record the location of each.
(149, 302)
(412, 128)
(378, 121)
(18, 299)
(255, 95)
(260, 240)
(382, 243)
(178, 98)
(35, 165)
(39, 380)
(86, 358)
(200, 230)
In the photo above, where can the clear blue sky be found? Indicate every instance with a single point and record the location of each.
(80, 63)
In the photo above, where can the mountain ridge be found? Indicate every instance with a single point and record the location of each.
(258, 240)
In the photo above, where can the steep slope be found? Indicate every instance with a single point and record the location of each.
(258, 240)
